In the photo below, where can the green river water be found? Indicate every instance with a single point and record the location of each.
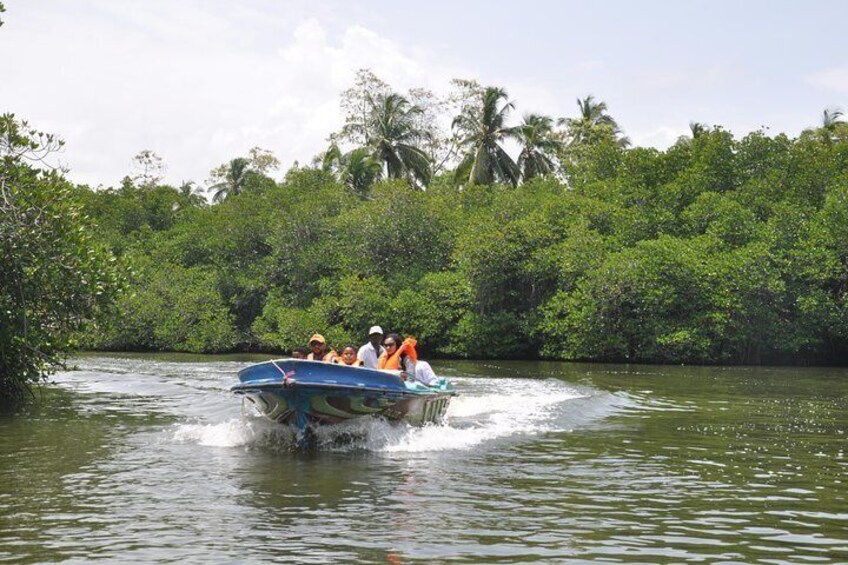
(150, 459)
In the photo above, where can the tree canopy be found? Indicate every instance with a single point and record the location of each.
(716, 250)
(55, 276)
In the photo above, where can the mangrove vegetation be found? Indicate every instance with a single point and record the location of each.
(483, 233)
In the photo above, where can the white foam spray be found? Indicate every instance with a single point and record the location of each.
(232, 433)
(485, 410)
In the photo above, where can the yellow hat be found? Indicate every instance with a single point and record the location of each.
(317, 337)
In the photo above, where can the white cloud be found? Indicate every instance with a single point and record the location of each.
(661, 137)
(202, 81)
(187, 85)
(835, 79)
(590, 65)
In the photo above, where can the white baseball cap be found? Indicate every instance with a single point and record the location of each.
(375, 330)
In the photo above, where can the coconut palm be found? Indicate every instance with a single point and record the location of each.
(595, 112)
(188, 191)
(357, 170)
(331, 160)
(830, 119)
(593, 124)
(539, 146)
(696, 129)
(832, 127)
(389, 130)
(482, 129)
(360, 170)
(231, 179)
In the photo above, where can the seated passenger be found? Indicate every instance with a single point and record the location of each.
(399, 356)
(425, 375)
(370, 353)
(299, 353)
(318, 346)
(349, 357)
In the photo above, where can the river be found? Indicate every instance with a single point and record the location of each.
(143, 458)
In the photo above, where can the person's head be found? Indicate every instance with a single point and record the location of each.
(317, 343)
(349, 354)
(391, 343)
(375, 336)
(299, 353)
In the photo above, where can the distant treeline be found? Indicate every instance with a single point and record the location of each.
(717, 250)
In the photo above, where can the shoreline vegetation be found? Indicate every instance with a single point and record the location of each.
(552, 239)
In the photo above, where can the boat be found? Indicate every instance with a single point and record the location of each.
(305, 393)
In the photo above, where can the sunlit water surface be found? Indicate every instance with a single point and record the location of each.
(151, 459)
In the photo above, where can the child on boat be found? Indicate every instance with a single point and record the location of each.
(349, 357)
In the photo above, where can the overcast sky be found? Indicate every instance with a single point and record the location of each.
(200, 82)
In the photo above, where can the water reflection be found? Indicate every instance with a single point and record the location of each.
(150, 459)
(48, 457)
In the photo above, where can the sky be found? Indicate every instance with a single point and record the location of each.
(200, 82)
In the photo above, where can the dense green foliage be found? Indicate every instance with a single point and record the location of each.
(716, 250)
(54, 276)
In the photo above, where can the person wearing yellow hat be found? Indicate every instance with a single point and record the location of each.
(318, 350)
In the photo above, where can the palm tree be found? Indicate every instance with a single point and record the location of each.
(360, 170)
(696, 129)
(595, 112)
(357, 170)
(539, 146)
(830, 118)
(482, 130)
(231, 179)
(331, 161)
(593, 124)
(389, 130)
(188, 191)
(833, 127)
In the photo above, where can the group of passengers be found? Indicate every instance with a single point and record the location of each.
(390, 353)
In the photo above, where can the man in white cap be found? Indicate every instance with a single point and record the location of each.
(371, 351)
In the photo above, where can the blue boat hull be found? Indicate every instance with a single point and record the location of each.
(299, 392)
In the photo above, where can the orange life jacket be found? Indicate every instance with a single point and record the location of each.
(392, 362)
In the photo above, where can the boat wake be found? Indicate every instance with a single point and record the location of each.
(486, 410)
(197, 398)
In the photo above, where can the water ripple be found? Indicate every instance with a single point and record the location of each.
(144, 459)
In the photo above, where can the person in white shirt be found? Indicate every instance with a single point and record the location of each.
(424, 374)
(371, 351)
